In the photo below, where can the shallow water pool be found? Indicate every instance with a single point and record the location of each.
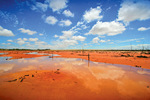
(100, 79)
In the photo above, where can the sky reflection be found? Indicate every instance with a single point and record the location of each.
(99, 78)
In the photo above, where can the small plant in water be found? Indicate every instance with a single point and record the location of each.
(137, 66)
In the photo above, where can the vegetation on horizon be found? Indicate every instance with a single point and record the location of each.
(24, 49)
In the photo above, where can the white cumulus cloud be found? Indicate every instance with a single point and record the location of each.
(25, 39)
(64, 44)
(21, 41)
(68, 13)
(143, 28)
(95, 40)
(102, 41)
(41, 34)
(92, 14)
(39, 42)
(29, 32)
(80, 38)
(65, 23)
(41, 6)
(57, 5)
(66, 34)
(5, 32)
(51, 20)
(79, 23)
(56, 36)
(33, 39)
(134, 10)
(10, 40)
(107, 28)
(70, 42)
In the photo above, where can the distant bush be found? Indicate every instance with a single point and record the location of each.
(142, 56)
(147, 52)
(126, 55)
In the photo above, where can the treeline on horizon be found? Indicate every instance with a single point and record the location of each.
(24, 49)
(73, 50)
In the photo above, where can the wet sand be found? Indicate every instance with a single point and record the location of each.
(113, 57)
(51, 85)
(40, 85)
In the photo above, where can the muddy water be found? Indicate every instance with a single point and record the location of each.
(71, 79)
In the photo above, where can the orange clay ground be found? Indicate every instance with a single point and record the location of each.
(59, 85)
(113, 57)
(53, 85)
(42, 85)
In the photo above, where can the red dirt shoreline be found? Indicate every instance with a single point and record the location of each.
(113, 57)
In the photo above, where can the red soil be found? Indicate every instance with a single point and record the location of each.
(19, 54)
(114, 57)
(48, 85)
(54, 85)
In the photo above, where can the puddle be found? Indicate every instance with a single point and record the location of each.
(55, 55)
(3, 59)
(2, 53)
(32, 53)
(43, 54)
(100, 79)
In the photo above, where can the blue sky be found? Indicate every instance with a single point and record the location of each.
(75, 24)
